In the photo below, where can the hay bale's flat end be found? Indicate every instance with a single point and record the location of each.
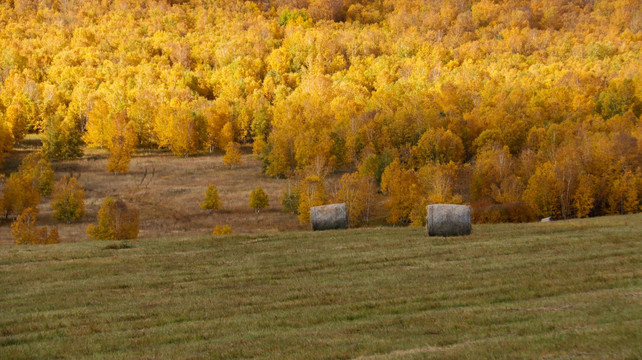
(448, 220)
(329, 217)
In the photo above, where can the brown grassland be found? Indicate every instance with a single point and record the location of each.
(167, 190)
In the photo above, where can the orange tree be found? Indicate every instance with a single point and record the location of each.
(116, 221)
(25, 231)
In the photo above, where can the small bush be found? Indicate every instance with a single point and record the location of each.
(222, 230)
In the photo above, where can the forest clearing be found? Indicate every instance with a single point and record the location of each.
(167, 190)
(567, 289)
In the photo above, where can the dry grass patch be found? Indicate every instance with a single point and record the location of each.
(168, 190)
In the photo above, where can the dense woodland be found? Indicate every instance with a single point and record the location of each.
(523, 108)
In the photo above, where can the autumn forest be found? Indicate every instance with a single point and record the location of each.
(522, 108)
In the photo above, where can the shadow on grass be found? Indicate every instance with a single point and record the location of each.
(118, 246)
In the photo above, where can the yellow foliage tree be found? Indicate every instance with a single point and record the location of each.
(121, 144)
(216, 117)
(232, 154)
(584, 197)
(280, 159)
(53, 237)
(403, 191)
(540, 194)
(259, 200)
(6, 140)
(37, 169)
(19, 193)
(61, 137)
(438, 184)
(290, 199)
(624, 197)
(494, 176)
(180, 129)
(212, 201)
(68, 201)
(311, 193)
(438, 145)
(358, 192)
(99, 125)
(340, 83)
(226, 135)
(20, 115)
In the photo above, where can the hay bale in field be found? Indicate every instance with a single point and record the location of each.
(328, 217)
(448, 220)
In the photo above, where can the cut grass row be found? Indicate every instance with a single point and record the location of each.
(569, 289)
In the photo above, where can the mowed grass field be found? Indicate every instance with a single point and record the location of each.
(570, 290)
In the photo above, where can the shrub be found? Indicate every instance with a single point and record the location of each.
(222, 230)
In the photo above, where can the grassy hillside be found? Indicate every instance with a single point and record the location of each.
(557, 290)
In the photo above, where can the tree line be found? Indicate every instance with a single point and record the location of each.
(524, 109)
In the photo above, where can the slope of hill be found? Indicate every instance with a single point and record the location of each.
(567, 289)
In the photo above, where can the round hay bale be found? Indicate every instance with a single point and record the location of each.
(448, 220)
(328, 217)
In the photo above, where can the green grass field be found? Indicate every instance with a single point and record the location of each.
(569, 290)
